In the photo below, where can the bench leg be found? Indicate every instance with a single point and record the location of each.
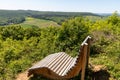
(84, 61)
(83, 74)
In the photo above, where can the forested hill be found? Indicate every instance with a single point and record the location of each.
(18, 16)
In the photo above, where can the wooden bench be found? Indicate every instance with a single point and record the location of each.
(61, 65)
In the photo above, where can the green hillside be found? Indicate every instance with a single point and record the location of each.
(32, 22)
(18, 16)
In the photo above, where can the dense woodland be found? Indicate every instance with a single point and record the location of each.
(18, 16)
(21, 47)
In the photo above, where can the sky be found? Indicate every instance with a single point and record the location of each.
(95, 6)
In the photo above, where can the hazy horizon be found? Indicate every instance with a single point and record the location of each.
(101, 6)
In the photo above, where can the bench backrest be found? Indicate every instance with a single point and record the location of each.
(82, 58)
(87, 41)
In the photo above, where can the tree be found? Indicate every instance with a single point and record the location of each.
(72, 33)
(114, 19)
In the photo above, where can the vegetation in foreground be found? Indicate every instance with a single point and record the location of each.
(21, 47)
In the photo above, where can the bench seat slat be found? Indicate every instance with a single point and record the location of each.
(60, 61)
(68, 67)
(55, 61)
(63, 67)
(48, 62)
(58, 68)
(38, 64)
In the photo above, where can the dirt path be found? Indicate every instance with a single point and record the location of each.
(22, 76)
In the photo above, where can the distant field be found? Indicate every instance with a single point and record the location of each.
(38, 22)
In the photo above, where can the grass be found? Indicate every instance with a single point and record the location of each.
(111, 63)
(34, 22)
(37, 22)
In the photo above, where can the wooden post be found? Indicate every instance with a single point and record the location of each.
(84, 61)
(88, 50)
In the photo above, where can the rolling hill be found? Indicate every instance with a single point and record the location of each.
(18, 16)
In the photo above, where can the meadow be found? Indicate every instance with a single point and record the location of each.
(29, 22)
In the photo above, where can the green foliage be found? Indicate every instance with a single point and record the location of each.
(114, 19)
(106, 44)
(72, 34)
(14, 32)
(21, 47)
(18, 32)
(11, 17)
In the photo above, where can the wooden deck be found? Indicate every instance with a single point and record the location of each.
(62, 66)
